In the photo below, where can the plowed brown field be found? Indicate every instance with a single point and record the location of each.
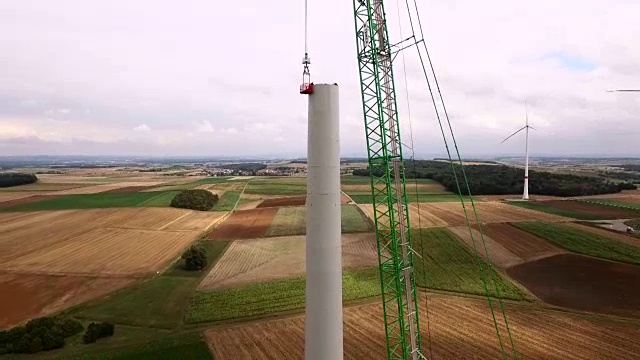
(459, 328)
(97, 241)
(285, 201)
(14, 195)
(598, 211)
(583, 283)
(258, 260)
(28, 296)
(499, 255)
(521, 243)
(245, 224)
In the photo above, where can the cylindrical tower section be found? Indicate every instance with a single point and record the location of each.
(323, 323)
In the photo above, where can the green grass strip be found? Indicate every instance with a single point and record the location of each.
(614, 203)
(583, 242)
(227, 201)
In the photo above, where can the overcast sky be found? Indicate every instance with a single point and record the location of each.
(221, 78)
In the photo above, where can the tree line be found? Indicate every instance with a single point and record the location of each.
(15, 179)
(506, 180)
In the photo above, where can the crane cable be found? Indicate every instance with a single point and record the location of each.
(413, 160)
(446, 116)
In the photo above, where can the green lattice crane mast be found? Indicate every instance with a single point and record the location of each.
(391, 216)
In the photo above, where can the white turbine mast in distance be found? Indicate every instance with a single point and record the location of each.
(526, 127)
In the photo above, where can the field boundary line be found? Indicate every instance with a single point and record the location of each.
(174, 220)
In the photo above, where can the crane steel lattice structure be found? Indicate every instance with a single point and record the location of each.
(395, 253)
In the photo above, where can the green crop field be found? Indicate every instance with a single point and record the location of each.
(275, 296)
(583, 242)
(448, 265)
(292, 221)
(101, 200)
(362, 197)
(553, 210)
(227, 201)
(614, 203)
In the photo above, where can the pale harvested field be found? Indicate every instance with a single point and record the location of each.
(607, 234)
(98, 241)
(71, 179)
(459, 328)
(259, 260)
(106, 251)
(420, 216)
(94, 189)
(40, 187)
(489, 212)
(29, 296)
(248, 204)
(498, 254)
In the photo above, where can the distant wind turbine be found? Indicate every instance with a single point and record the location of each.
(525, 195)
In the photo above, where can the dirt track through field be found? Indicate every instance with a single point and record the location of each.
(27, 296)
(583, 283)
(499, 255)
(245, 224)
(259, 260)
(459, 328)
(597, 211)
(521, 243)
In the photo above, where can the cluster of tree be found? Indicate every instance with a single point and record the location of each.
(503, 180)
(250, 167)
(15, 179)
(37, 335)
(195, 258)
(626, 176)
(195, 199)
(630, 167)
(96, 331)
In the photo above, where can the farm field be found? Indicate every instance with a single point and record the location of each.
(446, 264)
(459, 328)
(582, 242)
(260, 260)
(625, 203)
(274, 296)
(477, 242)
(99, 200)
(521, 243)
(28, 296)
(578, 209)
(609, 234)
(245, 224)
(583, 283)
(292, 221)
(427, 215)
(99, 241)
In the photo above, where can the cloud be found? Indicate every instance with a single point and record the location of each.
(142, 128)
(204, 126)
(489, 59)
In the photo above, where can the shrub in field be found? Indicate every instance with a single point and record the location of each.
(37, 335)
(15, 179)
(96, 331)
(195, 199)
(195, 258)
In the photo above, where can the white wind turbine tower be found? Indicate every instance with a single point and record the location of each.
(525, 194)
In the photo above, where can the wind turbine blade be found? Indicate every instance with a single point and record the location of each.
(531, 127)
(508, 137)
(625, 90)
